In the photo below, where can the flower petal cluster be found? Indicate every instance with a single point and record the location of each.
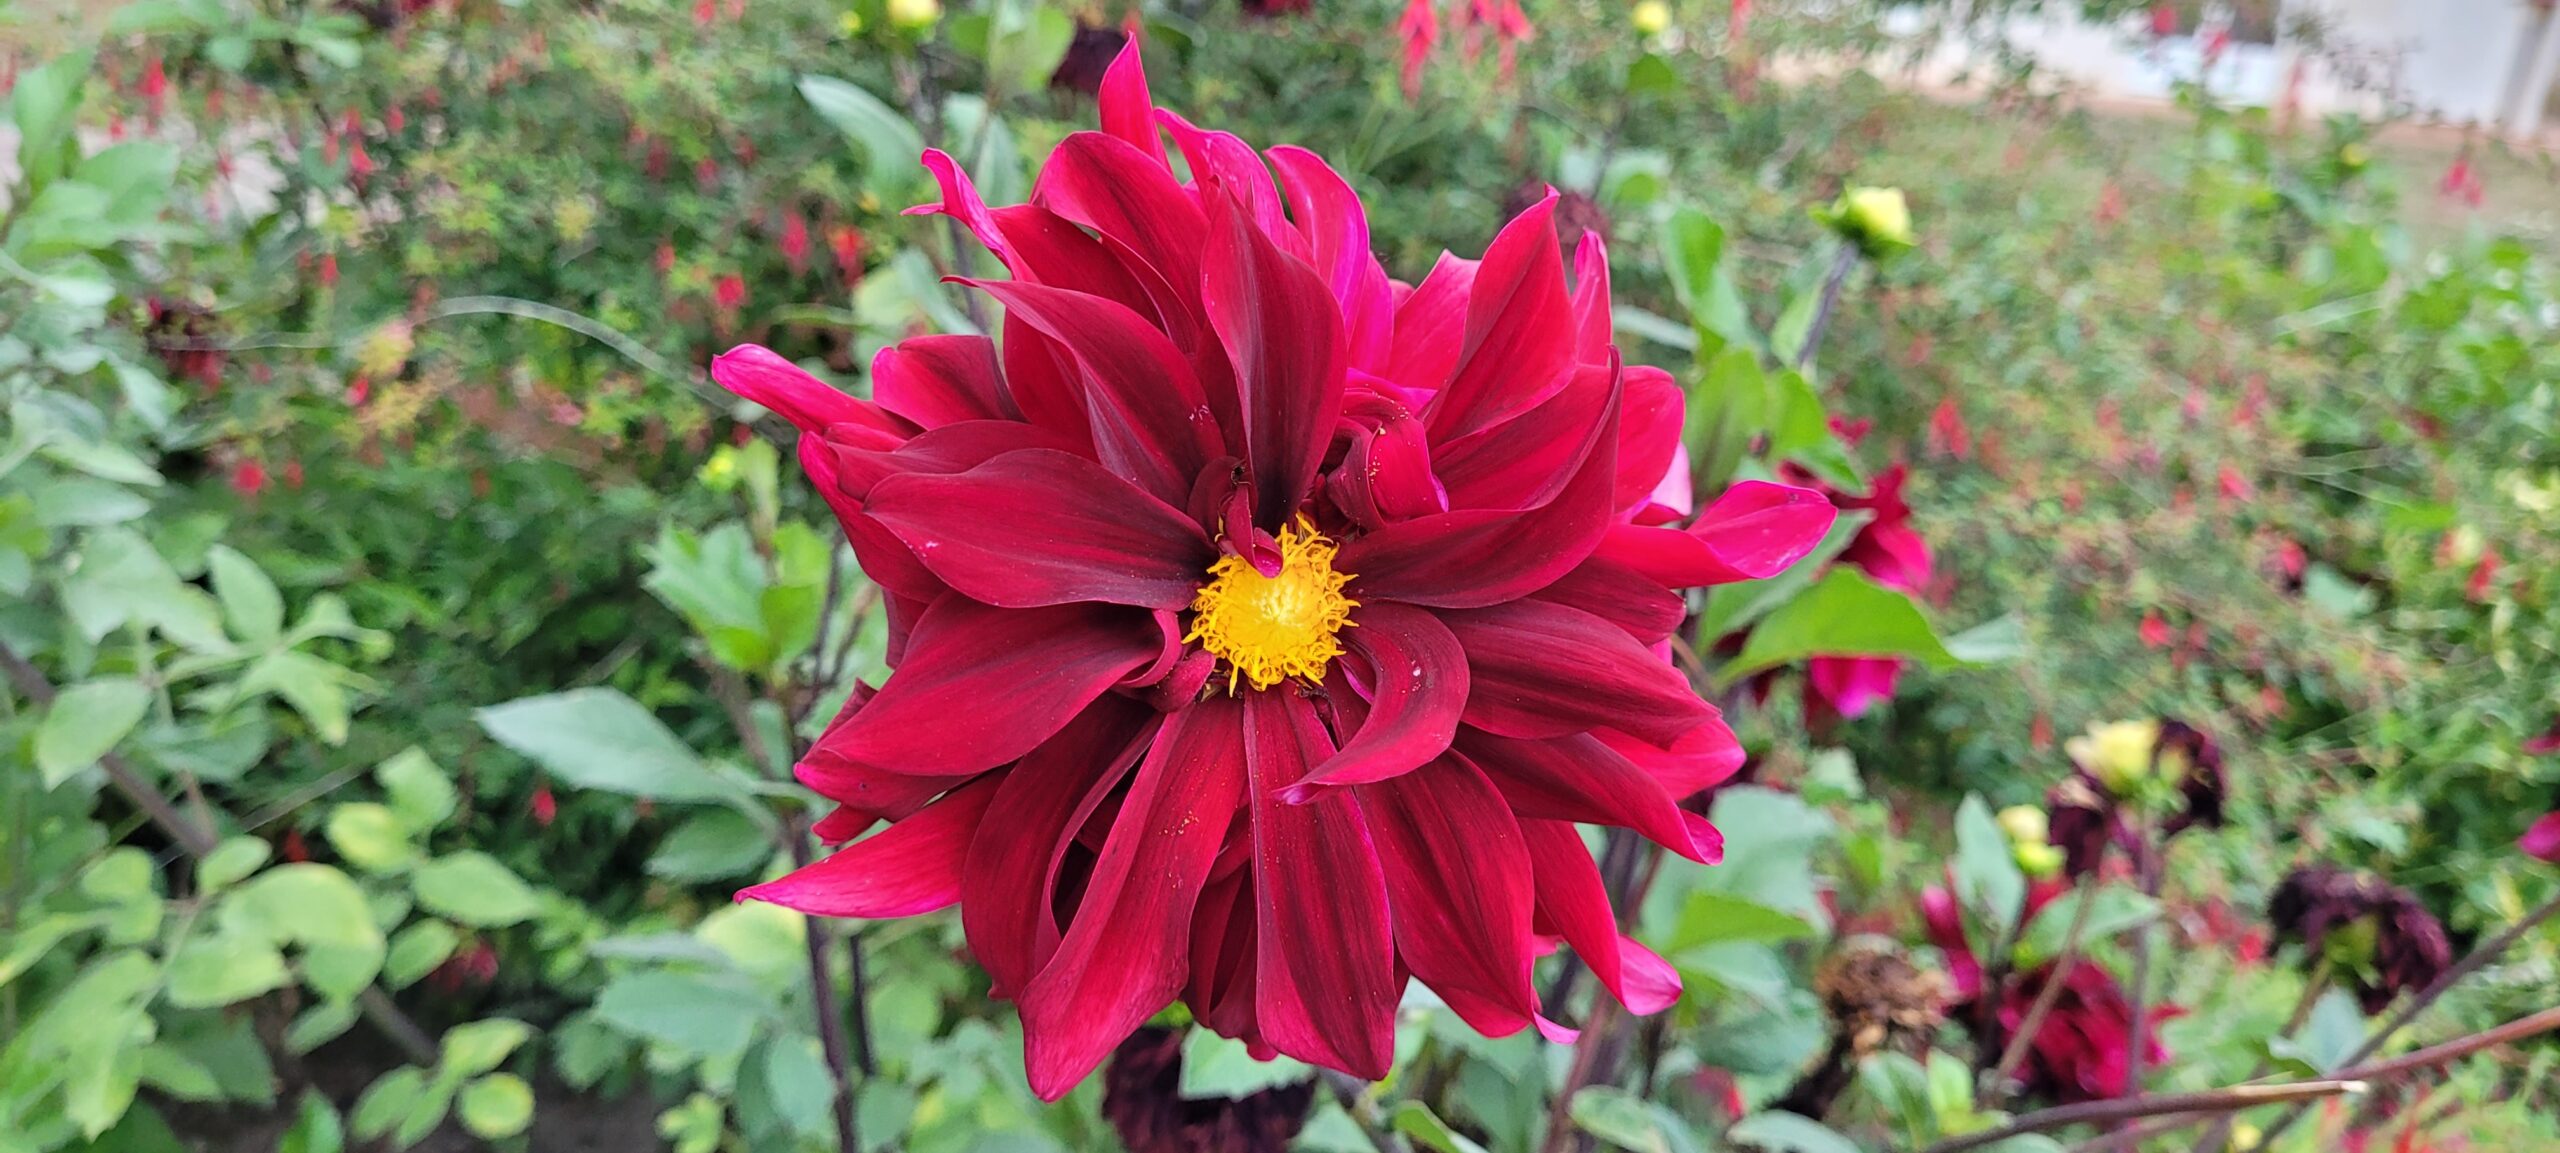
(1262, 627)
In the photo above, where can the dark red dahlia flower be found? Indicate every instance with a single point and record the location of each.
(2375, 934)
(1261, 627)
(2082, 1050)
(2190, 757)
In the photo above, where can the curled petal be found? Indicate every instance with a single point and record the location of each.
(1572, 900)
(1418, 686)
(1519, 330)
(909, 868)
(939, 380)
(1578, 778)
(1149, 421)
(1431, 326)
(810, 404)
(1007, 895)
(1752, 532)
(1128, 111)
(1337, 231)
(1108, 185)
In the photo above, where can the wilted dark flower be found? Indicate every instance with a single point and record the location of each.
(1879, 999)
(2082, 1047)
(1089, 56)
(1142, 1098)
(186, 338)
(2186, 753)
(2081, 819)
(1577, 215)
(2374, 933)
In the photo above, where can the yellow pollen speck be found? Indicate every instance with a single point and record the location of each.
(1269, 629)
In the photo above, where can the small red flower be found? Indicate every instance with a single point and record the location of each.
(359, 390)
(2235, 486)
(155, 86)
(1511, 29)
(844, 242)
(2461, 181)
(293, 474)
(1737, 20)
(328, 270)
(294, 849)
(2110, 205)
(545, 808)
(1420, 30)
(1949, 436)
(248, 478)
(795, 240)
(729, 293)
(706, 174)
(1131, 730)
(2155, 630)
(705, 13)
(2484, 576)
(665, 261)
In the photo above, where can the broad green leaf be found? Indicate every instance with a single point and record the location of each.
(801, 1089)
(314, 687)
(683, 1011)
(479, 1046)
(889, 142)
(388, 1102)
(250, 603)
(1416, 1120)
(711, 845)
(473, 888)
(1627, 1122)
(1844, 614)
(496, 1107)
(1996, 641)
(230, 862)
(1987, 877)
(370, 837)
(82, 502)
(420, 793)
(416, 951)
(310, 903)
(601, 739)
(84, 724)
(1709, 917)
(1215, 1066)
(319, 1025)
(316, 1129)
(2334, 1030)
(214, 970)
(1788, 1133)
(2112, 910)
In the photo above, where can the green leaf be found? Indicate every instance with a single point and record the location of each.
(1215, 1066)
(42, 104)
(711, 845)
(1416, 1120)
(479, 1046)
(416, 951)
(1709, 917)
(2000, 640)
(801, 1090)
(1987, 876)
(2334, 1030)
(388, 1102)
(473, 888)
(81, 502)
(211, 971)
(420, 792)
(889, 142)
(1788, 1133)
(313, 904)
(250, 603)
(601, 739)
(317, 1129)
(1845, 614)
(683, 1011)
(314, 687)
(496, 1107)
(2112, 910)
(1627, 1122)
(370, 837)
(229, 862)
(1693, 257)
(85, 723)
(1732, 607)
(319, 1025)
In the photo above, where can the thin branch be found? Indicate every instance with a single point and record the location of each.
(2479, 958)
(2135, 1108)
(2153, 855)
(2533, 1025)
(595, 330)
(1841, 266)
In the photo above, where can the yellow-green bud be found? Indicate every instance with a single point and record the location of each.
(1651, 17)
(2038, 862)
(2119, 755)
(914, 15)
(2025, 824)
(1877, 220)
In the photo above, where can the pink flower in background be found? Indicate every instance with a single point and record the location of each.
(1891, 553)
(544, 808)
(2484, 576)
(795, 240)
(2542, 841)
(1737, 20)
(359, 390)
(729, 292)
(2235, 486)
(248, 478)
(1420, 30)
(1949, 436)
(2461, 181)
(2546, 744)
(1511, 29)
(1133, 731)
(2155, 630)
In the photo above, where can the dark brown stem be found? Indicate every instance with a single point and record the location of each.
(2135, 1108)
(822, 1003)
(2152, 855)
(197, 840)
(2021, 1041)
(2479, 958)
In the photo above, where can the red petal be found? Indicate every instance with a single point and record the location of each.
(1325, 981)
(1752, 532)
(1417, 688)
(1108, 185)
(1459, 882)
(1123, 957)
(1283, 334)
(1042, 378)
(1222, 160)
(1544, 670)
(1007, 904)
(960, 202)
(981, 686)
(1595, 330)
(1386, 474)
(1470, 557)
(1648, 434)
(1149, 419)
(1577, 778)
(939, 380)
(1524, 463)
(1519, 335)
(1620, 595)
(1049, 249)
(1337, 231)
(1043, 527)
(1128, 112)
(911, 867)
(1573, 900)
(1431, 326)
(811, 404)
(2542, 841)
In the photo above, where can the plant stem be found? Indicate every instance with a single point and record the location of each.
(2132, 1108)
(2479, 958)
(2023, 1039)
(822, 1003)
(1841, 266)
(2153, 854)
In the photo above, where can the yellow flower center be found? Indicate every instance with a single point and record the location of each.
(1269, 629)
